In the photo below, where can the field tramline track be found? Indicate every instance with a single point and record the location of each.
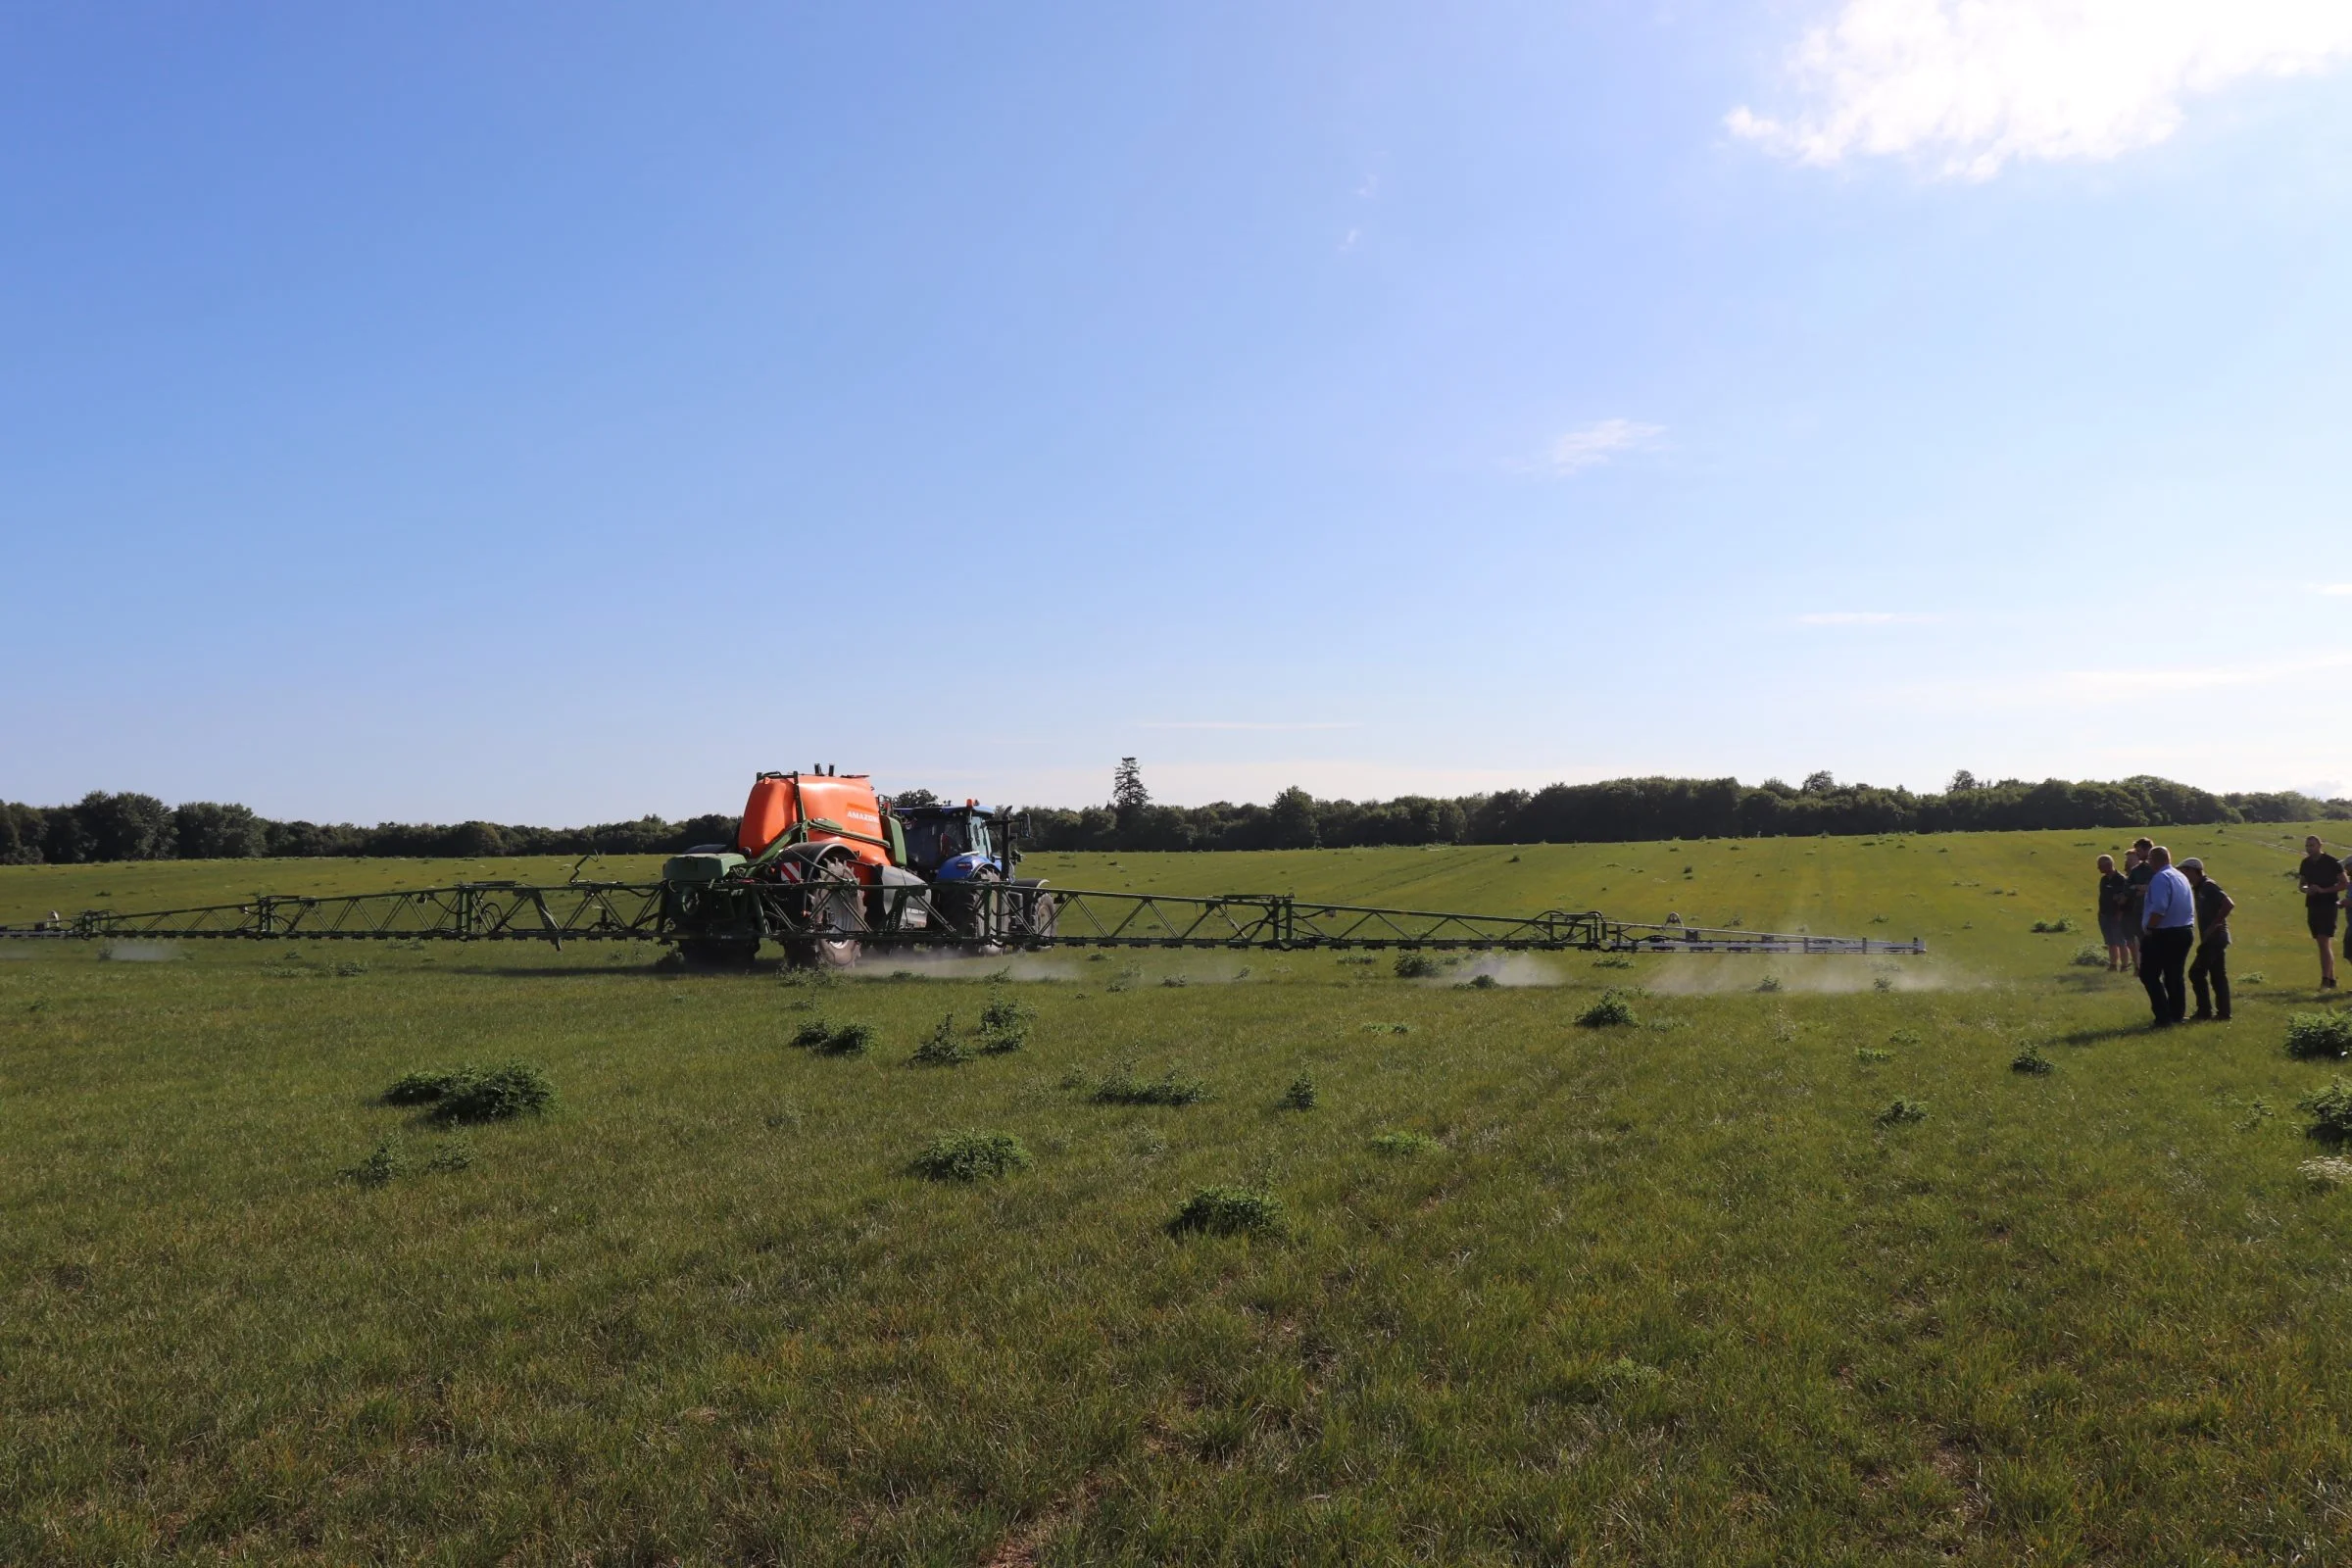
(1001, 916)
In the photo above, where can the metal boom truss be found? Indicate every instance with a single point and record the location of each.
(999, 915)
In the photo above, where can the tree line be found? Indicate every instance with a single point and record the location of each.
(130, 826)
(1632, 809)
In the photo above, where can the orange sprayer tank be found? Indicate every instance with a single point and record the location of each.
(780, 801)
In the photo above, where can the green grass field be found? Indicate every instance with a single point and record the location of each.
(1676, 1291)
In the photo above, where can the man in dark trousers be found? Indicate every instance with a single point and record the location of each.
(2320, 877)
(2210, 973)
(2137, 871)
(2170, 911)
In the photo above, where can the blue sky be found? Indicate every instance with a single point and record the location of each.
(556, 414)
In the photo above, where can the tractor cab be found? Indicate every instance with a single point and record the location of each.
(956, 843)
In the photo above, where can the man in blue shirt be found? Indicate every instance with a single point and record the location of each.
(2169, 929)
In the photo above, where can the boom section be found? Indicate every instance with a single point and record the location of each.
(1001, 915)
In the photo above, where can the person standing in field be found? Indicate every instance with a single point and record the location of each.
(2210, 973)
(2115, 914)
(2321, 878)
(2168, 929)
(2137, 871)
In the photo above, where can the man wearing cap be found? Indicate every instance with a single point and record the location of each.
(2210, 973)
(2170, 928)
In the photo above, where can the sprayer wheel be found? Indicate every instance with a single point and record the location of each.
(835, 904)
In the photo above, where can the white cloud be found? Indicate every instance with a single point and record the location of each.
(1969, 85)
(2337, 588)
(1597, 444)
(1862, 618)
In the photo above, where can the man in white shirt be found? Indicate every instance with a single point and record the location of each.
(2167, 930)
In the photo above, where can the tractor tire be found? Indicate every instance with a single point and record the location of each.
(1036, 915)
(835, 910)
(977, 911)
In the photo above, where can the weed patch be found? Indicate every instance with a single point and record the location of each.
(2089, 956)
(831, 1040)
(471, 1094)
(1872, 1056)
(2331, 1111)
(2058, 928)
(1611, 1012)
(1901, 1112)
(1415, 966)
(1171, 1088)
(970, 1156)
(1769, 984)
(1003, 1024)
(383, 1162)
(1228, 1211)
(1300, 1096)
(1405, 1145)
(2029, 1061)
(941, 1048)
(2326, 1170)
(388, 1160)
(2315, 1035)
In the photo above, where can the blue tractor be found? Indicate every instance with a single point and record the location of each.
(966, 854)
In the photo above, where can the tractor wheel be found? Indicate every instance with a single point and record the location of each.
(837, 911)
(1041, 916)
(980, 916)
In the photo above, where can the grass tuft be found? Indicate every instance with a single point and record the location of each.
(1415, 966)
(1872, 1056)
(2029, 1061)
(1769, 984)
(1228, 1211)
(2089, 956)
(969, 1156)
(2058, 928)
(1901, 1112)
(1611, 1012)
(1300, 1096)
(2313, 1035)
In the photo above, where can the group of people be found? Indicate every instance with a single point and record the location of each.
(2153, 915)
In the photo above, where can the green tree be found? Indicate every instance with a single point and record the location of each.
(1128, 796)
(204, 830)
(1293, 821)
(124, 827)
